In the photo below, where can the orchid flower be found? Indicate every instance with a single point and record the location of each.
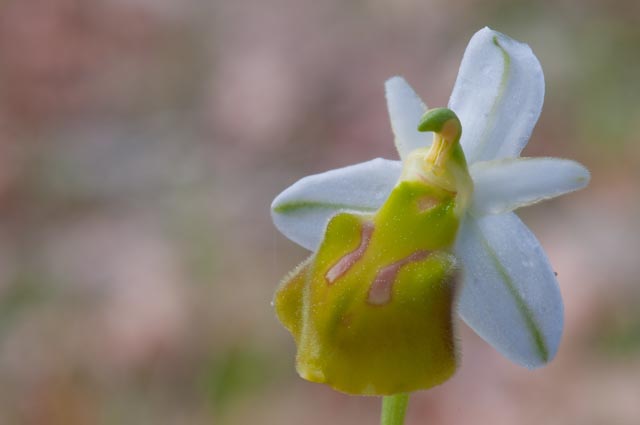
(362, 224)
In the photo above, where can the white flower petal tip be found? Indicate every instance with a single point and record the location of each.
(498, 96)
(506, 184)
(301, 212)
(510, 295)
(405, 110)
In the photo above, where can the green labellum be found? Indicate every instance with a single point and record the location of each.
(371, 311)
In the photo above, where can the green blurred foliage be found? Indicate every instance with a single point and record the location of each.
(233, 374)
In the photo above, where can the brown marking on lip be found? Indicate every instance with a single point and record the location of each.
(427, 202)
(381, 288)
(348, 260)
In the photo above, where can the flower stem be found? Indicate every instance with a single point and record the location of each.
(393, 409)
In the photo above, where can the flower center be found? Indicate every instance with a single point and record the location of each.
(443, 164)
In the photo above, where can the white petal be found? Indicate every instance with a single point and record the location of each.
(498, 96)
(301, 212)
(503, 185)
(510, 296)
(405, 111)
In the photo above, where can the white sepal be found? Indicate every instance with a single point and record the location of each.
(498, 96)
(503, 185)
(405, 110)
(301, 211)
(509, 296)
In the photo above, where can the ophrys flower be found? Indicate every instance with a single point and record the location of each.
(371, 309)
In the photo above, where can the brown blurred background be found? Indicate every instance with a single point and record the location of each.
(142, 141)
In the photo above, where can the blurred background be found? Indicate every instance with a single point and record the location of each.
(142, 141)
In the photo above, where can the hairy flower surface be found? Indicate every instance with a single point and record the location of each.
(394, 241)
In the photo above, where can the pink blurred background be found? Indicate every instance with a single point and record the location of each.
(141, 143)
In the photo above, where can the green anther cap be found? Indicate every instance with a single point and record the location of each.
(443, 121)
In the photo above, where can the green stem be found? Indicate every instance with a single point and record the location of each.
(393, 409)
